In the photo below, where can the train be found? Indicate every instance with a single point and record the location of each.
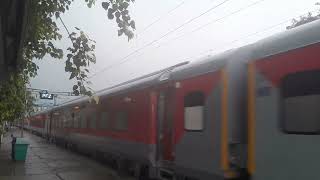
(247, 113)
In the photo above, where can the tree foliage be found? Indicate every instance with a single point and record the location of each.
(42, 33)
(118, 9)
(304, 19)
(15, 100)
(81, 54)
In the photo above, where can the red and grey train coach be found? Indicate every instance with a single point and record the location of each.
(250, 112)
(36, 123)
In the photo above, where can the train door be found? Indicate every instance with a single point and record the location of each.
(54, 125)
(284, 100)
(165, 125)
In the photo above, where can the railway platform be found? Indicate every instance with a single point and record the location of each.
(50, 162)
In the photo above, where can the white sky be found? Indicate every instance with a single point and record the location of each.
(211, 39)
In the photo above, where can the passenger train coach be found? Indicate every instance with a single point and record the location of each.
(248, 113)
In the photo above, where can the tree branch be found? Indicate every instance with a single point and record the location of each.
(66, 29)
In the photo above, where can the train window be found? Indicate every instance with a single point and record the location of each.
(58, 123)
(61, 122)
(83, 121)
(55, 123)
(65, 121)
(76, 120)
(104, 121)
(68, 120)
(301, 99)
(73, 117)
(121, 121)
(193, 111)
(92, 121)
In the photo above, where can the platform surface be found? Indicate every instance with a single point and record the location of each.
(47, 161)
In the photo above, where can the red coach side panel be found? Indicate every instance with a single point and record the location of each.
(204, 83)
(38, 121)
(136, 106)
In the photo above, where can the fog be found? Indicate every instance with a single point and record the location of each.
(233, 24)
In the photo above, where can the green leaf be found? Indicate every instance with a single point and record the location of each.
(88, 93)
(76, 92)
(117, 14)
(83, 75)
(125, 12)
(133, 24)
(110, 14)
(73, 74)
(115, 6)
(67, 68)
(75, 87)
(93, 59)
(105, 5)
(120, 32)
(50, 44)
(57, 14)
(82, 90)
(125, 5)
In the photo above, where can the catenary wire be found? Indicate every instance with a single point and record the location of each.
(211, 22)
(163, 36)
(159, 18)
(249, 35)
(216, 20)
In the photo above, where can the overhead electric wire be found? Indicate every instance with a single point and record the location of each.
(234, 12)
(223, 17)
(266, 29)
(159, 18)
(216, 20)
(213, 21)
(163, 36)
(193, 19)
(249, 35)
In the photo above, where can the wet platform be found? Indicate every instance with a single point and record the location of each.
(50, 162)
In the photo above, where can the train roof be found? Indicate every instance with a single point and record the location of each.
(281, 42)
(140, 82)
(278, 43)
(41, 112)
(295, 38)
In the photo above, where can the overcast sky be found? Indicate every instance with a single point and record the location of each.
(233, 24)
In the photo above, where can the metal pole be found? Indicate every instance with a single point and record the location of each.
(55, 99)
(22, 126)
(22, 119)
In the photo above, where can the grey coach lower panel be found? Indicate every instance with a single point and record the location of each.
(279, 155)
(122, 148)
(198, 174)
(200, 150)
